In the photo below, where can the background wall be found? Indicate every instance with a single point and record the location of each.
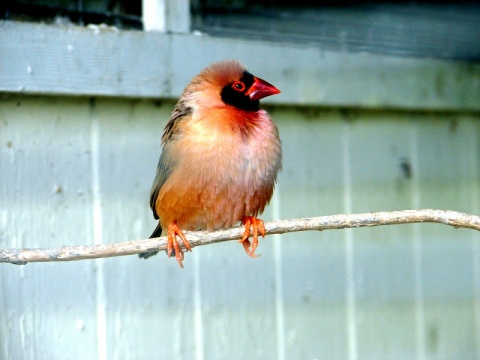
(77, 170)
(379, 111)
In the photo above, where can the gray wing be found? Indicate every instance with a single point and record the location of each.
(163, 172)
(163, 169)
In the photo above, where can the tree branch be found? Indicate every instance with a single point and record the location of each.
(198, 238)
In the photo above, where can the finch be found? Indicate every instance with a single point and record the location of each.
(220, 159)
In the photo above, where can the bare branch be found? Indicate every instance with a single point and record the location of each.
(198, 238)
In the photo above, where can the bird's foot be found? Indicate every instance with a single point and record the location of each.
(173, 245)
(258, 228)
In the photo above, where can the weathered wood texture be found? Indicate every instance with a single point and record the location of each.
(77, 171)
(97, 61)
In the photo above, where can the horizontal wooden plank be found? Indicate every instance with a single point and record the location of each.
(443, 30)
(97, 61)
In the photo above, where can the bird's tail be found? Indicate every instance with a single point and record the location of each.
(156, 233)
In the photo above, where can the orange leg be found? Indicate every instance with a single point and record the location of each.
(173, 245)
(258, 228)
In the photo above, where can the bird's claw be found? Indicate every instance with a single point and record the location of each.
(258, 228)
(173, 245)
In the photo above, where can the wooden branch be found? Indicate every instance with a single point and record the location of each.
(198, 238)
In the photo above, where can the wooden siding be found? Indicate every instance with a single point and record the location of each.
(79, 170)
(107, 62)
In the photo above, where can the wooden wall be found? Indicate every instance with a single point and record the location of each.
(78, 170)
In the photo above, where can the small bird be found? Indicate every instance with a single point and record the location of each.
(220, 159)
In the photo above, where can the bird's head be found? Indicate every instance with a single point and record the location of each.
(229, 83)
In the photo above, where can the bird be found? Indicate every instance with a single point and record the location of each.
(221, 155)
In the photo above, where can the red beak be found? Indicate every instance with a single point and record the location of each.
(260, 89)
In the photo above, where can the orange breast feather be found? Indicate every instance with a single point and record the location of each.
(225, 168)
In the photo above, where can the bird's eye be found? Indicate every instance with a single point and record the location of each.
(238, 86)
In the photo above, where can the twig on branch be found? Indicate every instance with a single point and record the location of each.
(198, 238)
